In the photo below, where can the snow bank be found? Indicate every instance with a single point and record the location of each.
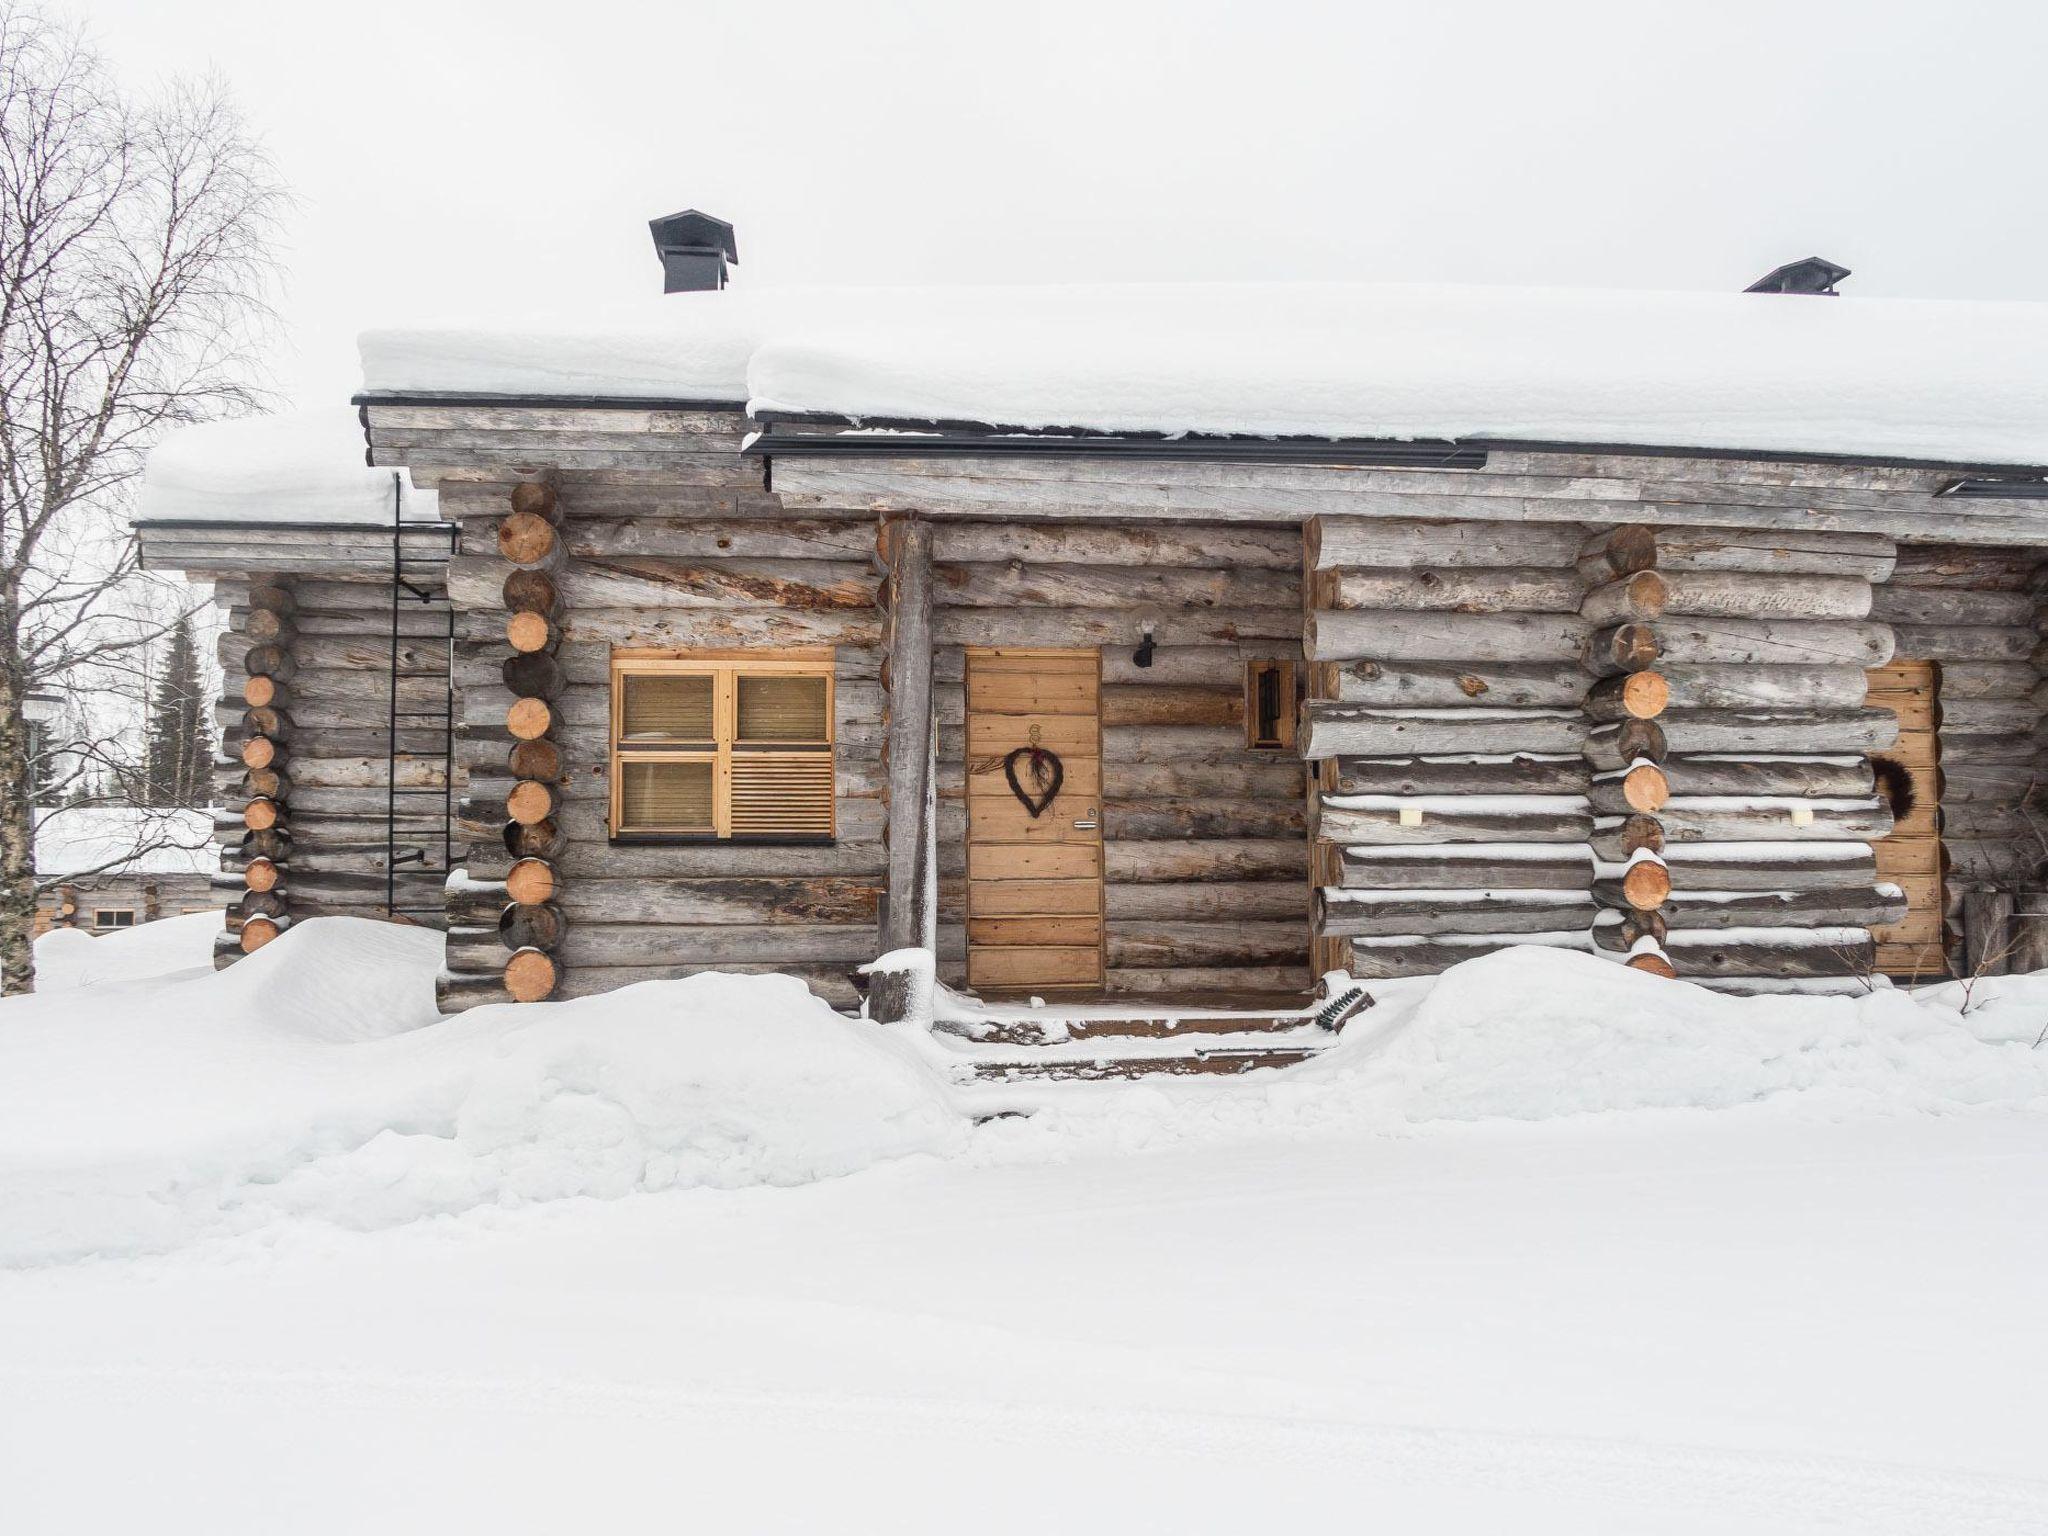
(314, 1079)
(1924, 379)
(306, 467)
(68, 958)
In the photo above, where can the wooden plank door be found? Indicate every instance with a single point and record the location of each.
(1910, 857)
(1034, 883)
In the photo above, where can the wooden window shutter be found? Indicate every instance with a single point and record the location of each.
(708, 747)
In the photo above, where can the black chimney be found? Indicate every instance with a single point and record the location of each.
(1815, 274)
(695, 251)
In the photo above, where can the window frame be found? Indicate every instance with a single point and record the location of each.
(1288, 673)
(99, 912)
(725, 668)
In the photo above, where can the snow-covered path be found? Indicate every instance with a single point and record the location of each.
(1660, 1322)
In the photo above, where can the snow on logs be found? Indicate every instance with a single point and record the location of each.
(263, 746)
(1728, 742)
(1445, 726)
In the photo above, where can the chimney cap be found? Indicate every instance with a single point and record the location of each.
(693, 230)
(1813, 274)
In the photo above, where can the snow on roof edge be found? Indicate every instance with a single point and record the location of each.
(1936, 381)
(298, 467)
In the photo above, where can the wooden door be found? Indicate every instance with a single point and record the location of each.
(1034, 883)
(1910, 857)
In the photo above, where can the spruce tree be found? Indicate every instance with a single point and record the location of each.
(180, 739)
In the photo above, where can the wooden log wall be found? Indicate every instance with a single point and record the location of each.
(690, 557)
(1975, 613)
(1445, 726)
(256, 826)
(306, 714)
(1204, 847)
(1733, 800)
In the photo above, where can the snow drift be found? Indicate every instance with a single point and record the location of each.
(315, 1080)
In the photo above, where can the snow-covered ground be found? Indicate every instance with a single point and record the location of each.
(1486, 1265)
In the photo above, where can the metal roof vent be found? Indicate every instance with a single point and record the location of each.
(695, 251)
(1816, 274)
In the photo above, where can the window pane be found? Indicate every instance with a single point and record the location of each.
(668, 708)
(782, 709)
(665, 797)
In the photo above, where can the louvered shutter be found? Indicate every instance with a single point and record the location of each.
(782, 794)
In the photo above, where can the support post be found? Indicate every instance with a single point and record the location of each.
(907, 551)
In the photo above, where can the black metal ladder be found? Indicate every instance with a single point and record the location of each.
(410, 835)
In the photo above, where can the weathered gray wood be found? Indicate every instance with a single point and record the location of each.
(1221, 900)
(1987, 933)
(1395, 543)
(909, 738)
(1820, 732)
(1787, 642)
(1844, 778)
(1724, 594)
(1123, 627)
(1523, 774)
(1964, 716)
(1358, 730)
(1340, 914)
(1744, 819)
(1793, 867)
(1231, 858)
(1699, 953)
(1378, 960)
(1176, 944)
(1951, 605)
(1964, 642)
(1454, 590)
(1015, 585)
(1430, 685)
(632, 582)
(1563, 867)
(1460, 637)
(1821, 908)
(1151, 820)
(2029, 932)
(1764, 687)
(1638, 547)
(1229, 546)
(1441, 822)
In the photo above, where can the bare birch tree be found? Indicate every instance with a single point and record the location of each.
(134, 274)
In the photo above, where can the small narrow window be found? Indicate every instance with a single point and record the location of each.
(706, 747)
(113, 917)
(1269, 704)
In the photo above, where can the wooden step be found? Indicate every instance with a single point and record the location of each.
(1118, 1068)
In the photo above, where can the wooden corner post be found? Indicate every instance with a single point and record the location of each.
(906, 549)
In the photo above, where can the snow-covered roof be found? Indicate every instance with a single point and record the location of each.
(1956, 381)
(304, 467)
(87, 839)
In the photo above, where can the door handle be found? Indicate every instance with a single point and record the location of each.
(1085, 823)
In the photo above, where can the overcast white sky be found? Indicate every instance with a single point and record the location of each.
(454, 157)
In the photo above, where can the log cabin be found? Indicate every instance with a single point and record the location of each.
(1161, 648)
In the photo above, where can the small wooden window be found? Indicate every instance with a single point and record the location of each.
(1269, 705)
(113, 917)
(719, 747)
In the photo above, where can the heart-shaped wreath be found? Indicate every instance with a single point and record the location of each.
(1047, 774)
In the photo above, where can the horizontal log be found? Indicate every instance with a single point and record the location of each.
(538, 925)
(1425, 819)
(1238, 547)
(520, 592)
(1521, 774)
(628, 582)
(1336, 729)
(1226, 778)
(1822, 908)
(531, 976)
(1700, 952)
(1694, 819)
(707, 902)
(1380, 959)
(1991, 716)
(1783, 642)
(1479, 866)
(1222, 859)
(1150, 820)
(1155, 945)
(1189, 900)
(1764, 687)
(1173, 705)
(1428, 685)
(533, 674)
(1349, 914)
(1016, 585)
(1404, 543)
(1618, 745)
(1653, 594)
(1639, 547)
(530, 542)
(1461, 637)
(1769, 866)
(1628, 696)
(1844, 778)
(1486, 590)
(1125, 627)
(1817, 732)
(1964, 642)
(1942, 606)
(529, 632)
